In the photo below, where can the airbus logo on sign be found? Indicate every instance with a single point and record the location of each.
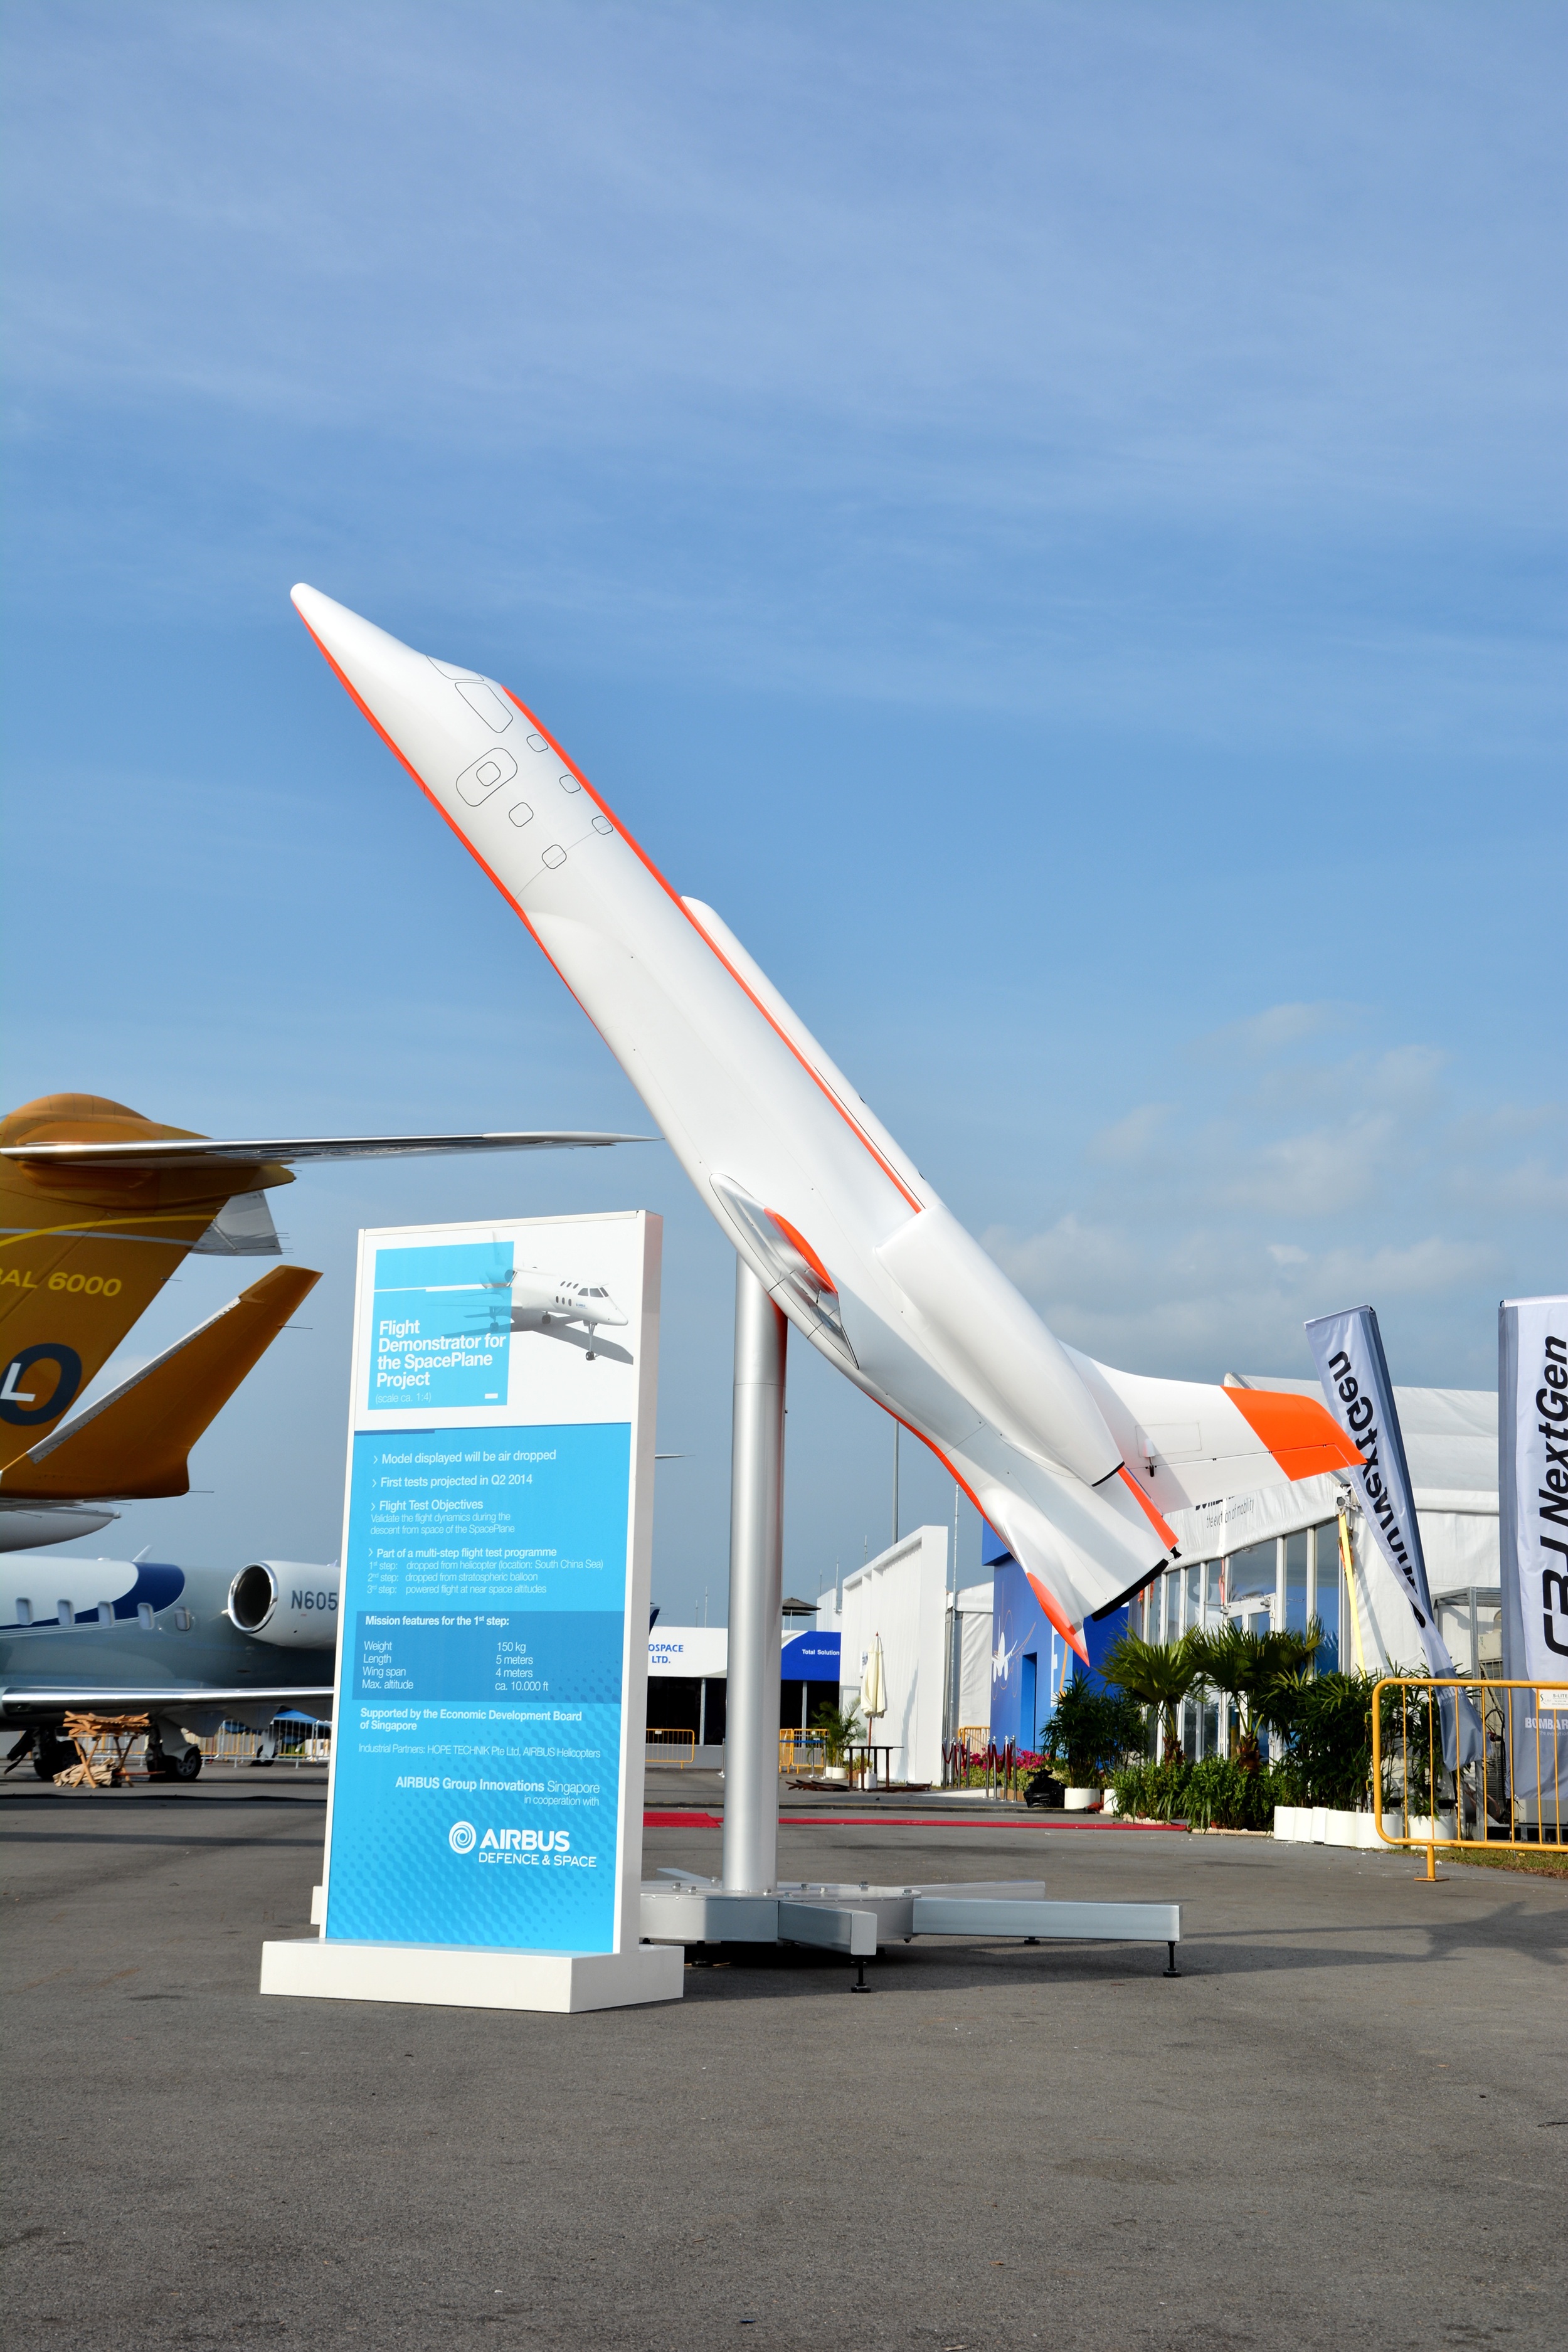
(515, 1845)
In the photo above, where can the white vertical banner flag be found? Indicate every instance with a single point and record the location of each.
(1532, 1483)
(1348, 1352)
(1532, 1508)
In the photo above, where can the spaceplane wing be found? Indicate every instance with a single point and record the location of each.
(1068, 1460)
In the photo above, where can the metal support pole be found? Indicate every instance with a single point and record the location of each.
(952, 1665)
(756, 1591)
(898, 1433)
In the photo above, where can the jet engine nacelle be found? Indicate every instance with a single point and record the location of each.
(292, 1604)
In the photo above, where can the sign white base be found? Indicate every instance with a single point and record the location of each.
(451, 1976)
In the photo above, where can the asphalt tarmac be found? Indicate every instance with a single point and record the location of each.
(1346, 2123)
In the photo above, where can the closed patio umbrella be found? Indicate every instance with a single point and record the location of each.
(874, 1685)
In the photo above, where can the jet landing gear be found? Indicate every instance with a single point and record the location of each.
(589, 1357)
(52, 1754)
(162, 1766)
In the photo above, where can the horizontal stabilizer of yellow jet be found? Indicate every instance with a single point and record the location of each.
(134, 1443)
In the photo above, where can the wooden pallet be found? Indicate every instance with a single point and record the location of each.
(102, 1744)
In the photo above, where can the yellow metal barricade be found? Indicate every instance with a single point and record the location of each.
(684, 1744)
(802, 1751)
(1513, 1795)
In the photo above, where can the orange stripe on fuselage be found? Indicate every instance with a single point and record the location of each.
(676, 900)
(489, 871)
(1301, 1434)
(638, 851)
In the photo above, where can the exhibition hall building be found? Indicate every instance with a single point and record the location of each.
(980, 1661)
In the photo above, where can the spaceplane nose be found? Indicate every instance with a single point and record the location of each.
(437, 716)
(366, 659)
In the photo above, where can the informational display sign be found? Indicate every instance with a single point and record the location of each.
(1532, 1496)
(486, 1755)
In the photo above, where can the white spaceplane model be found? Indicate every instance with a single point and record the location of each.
(1073, 1463)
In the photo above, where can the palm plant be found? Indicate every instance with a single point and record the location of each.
(1160, 1674)
(1263, 1673)
(840, 1728)
(1089, 1731)
(1331, 1739)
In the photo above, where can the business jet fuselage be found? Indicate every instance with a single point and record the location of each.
(191, 1648)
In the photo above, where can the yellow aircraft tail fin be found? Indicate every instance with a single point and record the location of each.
(84, 1250)
(134, 1443)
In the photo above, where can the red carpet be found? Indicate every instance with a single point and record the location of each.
(911, 1821)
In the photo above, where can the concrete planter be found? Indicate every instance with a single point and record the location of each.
(1080, 1800)
(1324, 1825)
(1421, 1827)
(835, 1772)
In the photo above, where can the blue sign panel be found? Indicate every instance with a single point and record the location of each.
(476, 1751)
(810, 1658)
(441, 1326)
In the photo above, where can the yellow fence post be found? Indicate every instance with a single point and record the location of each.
(1496, 1706)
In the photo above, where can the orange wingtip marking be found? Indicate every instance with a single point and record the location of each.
(1301, 1434)
(1074, 1641)
(1165, 1534)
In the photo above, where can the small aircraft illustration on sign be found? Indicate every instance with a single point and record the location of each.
(542, 1301)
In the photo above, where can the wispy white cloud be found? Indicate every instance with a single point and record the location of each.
(1176, 1260)
(895, 350)
(1301, 1175)
(1260, 1036)
(1132, 1136)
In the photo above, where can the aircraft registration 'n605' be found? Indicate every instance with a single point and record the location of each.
(1072, 1463)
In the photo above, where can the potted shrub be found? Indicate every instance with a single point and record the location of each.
(840, 1728)
(1088, 1736)
(1417, 1787)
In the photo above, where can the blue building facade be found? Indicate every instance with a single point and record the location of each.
(1029, 1660)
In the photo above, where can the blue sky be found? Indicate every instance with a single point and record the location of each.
(1050, 517)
